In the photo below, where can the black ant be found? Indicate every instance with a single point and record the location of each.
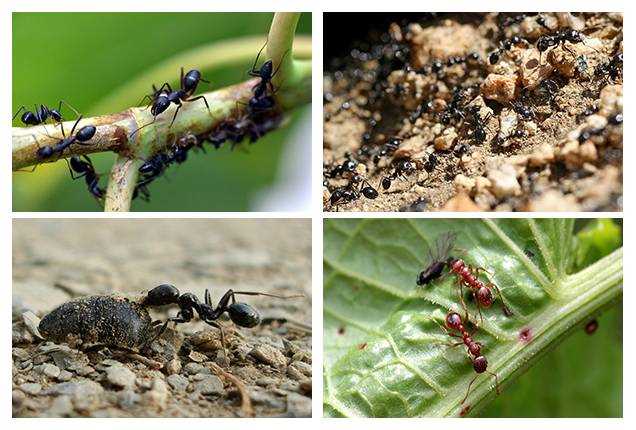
(85, 169)
(163, 97)
(402, 168)
(266, 73)
(83, 135)
(41, 115)
(522, 110)
(241, 314)
(548, 41)
(453, 321)
(388, 148)
(478, 123)
(611, 70)
(437, 259)
(506, 45)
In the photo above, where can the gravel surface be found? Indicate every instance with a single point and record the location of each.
(185, 373)
(420, 115)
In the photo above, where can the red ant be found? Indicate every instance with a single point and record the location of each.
(468, 276)
(480, 364)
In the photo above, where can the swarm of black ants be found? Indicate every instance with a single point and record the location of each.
(261, 115)
(495, 111)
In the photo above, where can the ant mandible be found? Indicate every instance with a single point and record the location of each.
(454, 321)
(163, 97)
(83, 135)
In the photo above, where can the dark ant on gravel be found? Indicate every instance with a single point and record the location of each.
(477, 123)
(125, 323)
(41, 114)
(391, 145)
(611, 70)
(85, 169)
(401, 168)
(557, 38)
(82, 136)
(504, 46)
(163, 97)
(437, 259)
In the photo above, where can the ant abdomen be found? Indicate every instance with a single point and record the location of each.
(480, 364)
(244, 315)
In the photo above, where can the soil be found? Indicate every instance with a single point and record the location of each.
(186, 373)
(551, 121)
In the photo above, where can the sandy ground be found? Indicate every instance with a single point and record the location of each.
(547, 166)
(269, 368)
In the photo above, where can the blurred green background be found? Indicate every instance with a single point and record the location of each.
(583, 376)
(85, 55)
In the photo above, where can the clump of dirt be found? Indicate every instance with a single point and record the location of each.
(262, 371)
(465, 112)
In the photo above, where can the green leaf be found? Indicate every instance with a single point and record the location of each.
(385, 353)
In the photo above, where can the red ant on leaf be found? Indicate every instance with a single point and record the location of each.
(454, 322)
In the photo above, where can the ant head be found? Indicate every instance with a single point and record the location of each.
(484, 296)
(161, 104)
(453, 320)
(191, 80)
(86, 133)
(480, 364)
(243, 315)
(454, 263)
(56, 115)
(266, 70)
(544, 43)
(164, 294)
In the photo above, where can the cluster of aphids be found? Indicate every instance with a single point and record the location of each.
(261, 115)
(364, 86)
(441, 263)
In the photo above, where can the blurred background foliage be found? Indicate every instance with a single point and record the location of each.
(89, 54)
(583, 376)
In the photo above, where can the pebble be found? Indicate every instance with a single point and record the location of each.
(17, 398)
(209, 385)
(120, 376)
(31, 388)
(501, 88)
(298, 405)
(197, 357)
(504, 181)
(31, 322)
(126, 399)
(544, 154)
(64, 375)
(266, 399)
(173, 367)
(49, 370)
(194, 368)
(446, 140)
(158, 394)
(464, 183)
(20, 353)
(265, 381)
(61, 406)
(178, 382)
(269, 355)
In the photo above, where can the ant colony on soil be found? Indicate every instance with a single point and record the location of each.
(471, 111)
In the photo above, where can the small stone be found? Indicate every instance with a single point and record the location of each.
(31, 322)
(446, 140)
(20, 354)
(266, 399)
(64, 375)
(120, 376)
(17, 398)
(588, 151)
(85, 394)
(269, 355)
(210, 385)
(541, 156)
(501, 88)
(298, 405)
(178, 382)
(158, 394)
(85, 370)
(265, 381)
(173, 366)
(464, 183)
(303, 367)
(504, 181)
(460, 203)
(126, 399)
(197, 357)
(61, 406)
(49, 370)
(194, 368)
(31, 388)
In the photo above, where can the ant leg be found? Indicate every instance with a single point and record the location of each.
(468, 390)
(223, 344)
(63, 102)
(19, 110)
(505, 307)
(178, 319)
(496, 382)
(175, 115)
(71, 171)
(208, 299)
(74, 126)
(145, 125)
(461, 295)
(255, 293)
(181, 78)
(253, 71)
(204, 100)
(279, 64)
